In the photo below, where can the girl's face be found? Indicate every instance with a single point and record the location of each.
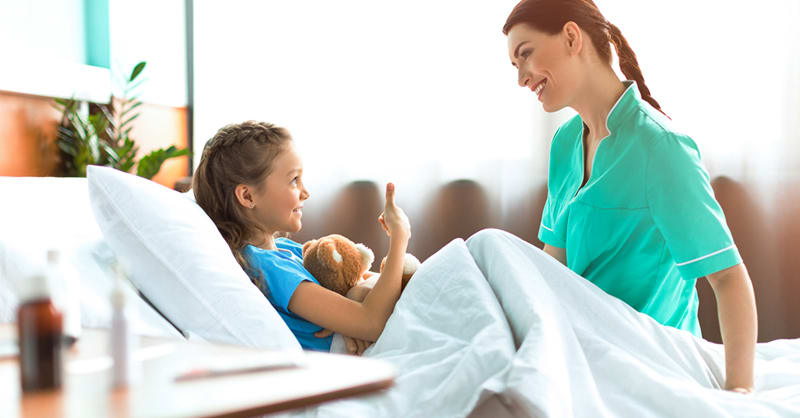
(547, 64)
(278, 200)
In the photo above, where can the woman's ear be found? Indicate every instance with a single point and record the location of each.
(573, 38)
(244, 196)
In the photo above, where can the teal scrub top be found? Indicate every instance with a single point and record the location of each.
(646, 223)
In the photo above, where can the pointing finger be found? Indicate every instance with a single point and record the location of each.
(389, 194)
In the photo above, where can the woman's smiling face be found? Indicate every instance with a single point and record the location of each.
(546, 64)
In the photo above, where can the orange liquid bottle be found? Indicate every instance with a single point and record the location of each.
(40, 333)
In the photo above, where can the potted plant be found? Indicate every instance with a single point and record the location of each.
(103, 137)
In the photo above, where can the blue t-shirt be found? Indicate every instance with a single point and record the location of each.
(283, 271)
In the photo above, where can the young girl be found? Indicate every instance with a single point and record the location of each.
(250, 182)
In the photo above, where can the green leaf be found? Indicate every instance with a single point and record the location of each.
(99, 123)
(94, 148)
(124, 124)
(151, 163)
(60, 104)
(136, 70)
(77, 125)
(67, 148)
(108, 114)
(103, 137)
(133, 86)
(111, 153)
(63, 105)
(65, 132)
(128, 110)
(127, 155)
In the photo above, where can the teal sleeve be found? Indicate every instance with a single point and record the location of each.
(551, 231)
(685, 211)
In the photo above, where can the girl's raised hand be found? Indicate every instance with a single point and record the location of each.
(393, 219)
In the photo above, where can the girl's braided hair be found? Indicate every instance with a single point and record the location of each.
(240, 153)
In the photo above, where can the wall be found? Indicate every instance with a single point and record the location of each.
(27, 135)
(45, 43)
(462, 207)
(27, 129)
(423, 94)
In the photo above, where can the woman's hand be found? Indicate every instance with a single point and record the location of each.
(744, 391)
(393, 220)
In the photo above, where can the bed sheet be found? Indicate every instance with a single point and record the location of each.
(448, 339)
(497, 327)
(582, 352)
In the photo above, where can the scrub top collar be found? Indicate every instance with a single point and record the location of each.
(627, 103)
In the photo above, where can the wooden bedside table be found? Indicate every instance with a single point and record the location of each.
(87, 390)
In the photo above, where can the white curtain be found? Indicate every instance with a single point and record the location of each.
(415, 92)
(423, 92)
(728, 73)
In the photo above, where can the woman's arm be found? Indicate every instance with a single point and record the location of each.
(736, 307)
(559, 254)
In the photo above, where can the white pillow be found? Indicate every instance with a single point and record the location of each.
(93, 288)
(29, 227)
(181, 263)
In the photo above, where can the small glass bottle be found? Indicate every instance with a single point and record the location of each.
(64, 287)
(125, 368)
(40, 333)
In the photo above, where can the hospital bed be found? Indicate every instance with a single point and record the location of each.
(488, 327)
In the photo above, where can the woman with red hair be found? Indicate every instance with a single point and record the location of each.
(629, 204)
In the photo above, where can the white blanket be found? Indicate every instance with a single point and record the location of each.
(448, 339)
(582, 352)
(554, 346)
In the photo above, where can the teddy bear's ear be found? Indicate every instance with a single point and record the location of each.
(367, 256)
(328, 255)
(308, 245)
(410, 264)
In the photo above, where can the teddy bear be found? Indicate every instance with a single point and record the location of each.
(410, 266)
(339, 264)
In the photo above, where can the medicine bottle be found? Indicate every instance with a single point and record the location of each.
(125, 367)
(63, 281)
(40, 333)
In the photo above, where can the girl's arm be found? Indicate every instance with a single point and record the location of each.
(360, 291)
(364, 320)
(738, 324)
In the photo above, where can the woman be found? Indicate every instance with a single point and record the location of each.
(629, 204)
